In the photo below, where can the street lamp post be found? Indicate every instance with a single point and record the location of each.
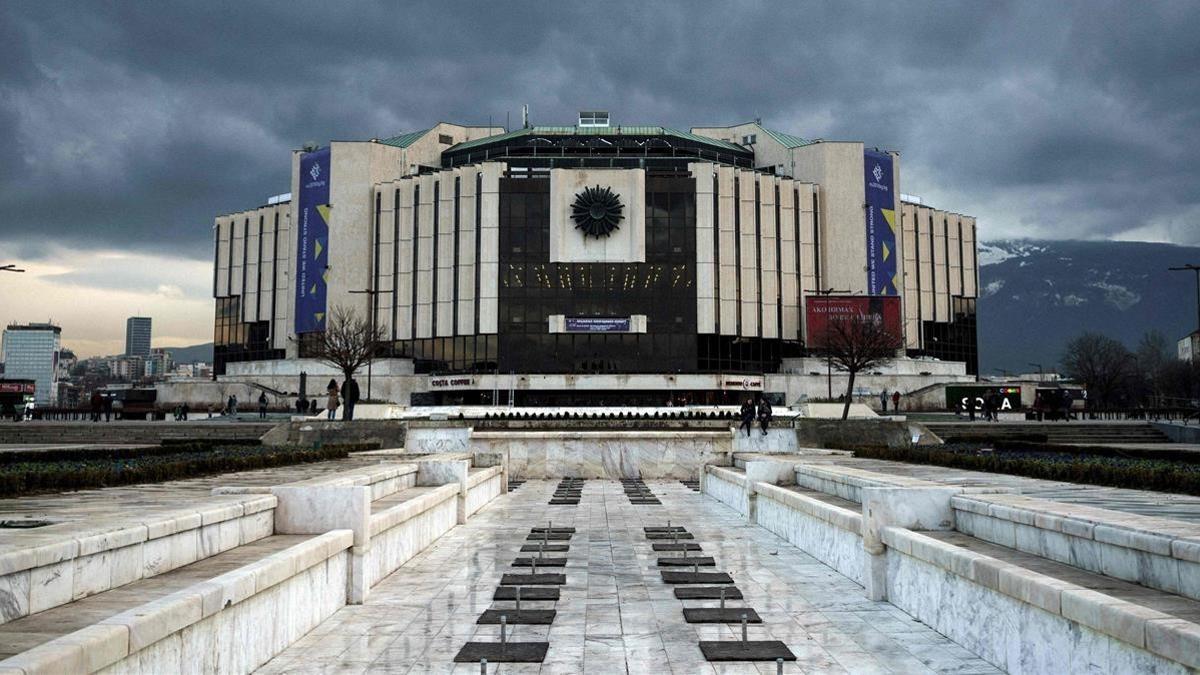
(370, 292)
(1196, 269)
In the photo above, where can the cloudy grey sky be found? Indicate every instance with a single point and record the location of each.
(128, 126)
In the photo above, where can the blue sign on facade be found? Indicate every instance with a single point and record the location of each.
(591, 324)
(312, 238)
(882, 277)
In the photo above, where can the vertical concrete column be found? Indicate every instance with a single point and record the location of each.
(444, 472)
(915, 508)
(318, 509)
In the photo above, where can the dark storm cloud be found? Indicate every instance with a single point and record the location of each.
(133, 124)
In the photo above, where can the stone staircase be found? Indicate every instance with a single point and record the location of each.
(1086, 433)
(126, 433)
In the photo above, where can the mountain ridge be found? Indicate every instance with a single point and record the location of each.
(1036, 295)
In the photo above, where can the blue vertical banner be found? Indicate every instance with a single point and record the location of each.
(312, 237)
(882, 276)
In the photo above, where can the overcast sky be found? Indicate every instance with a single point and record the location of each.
(128, 126)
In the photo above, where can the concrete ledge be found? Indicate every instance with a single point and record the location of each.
(122, 636)
(52, 566)
(1159, 553)
(404, 511)
(1139, 626)
(843, 519)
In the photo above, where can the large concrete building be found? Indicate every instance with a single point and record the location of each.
(594, 262)
(31, 353)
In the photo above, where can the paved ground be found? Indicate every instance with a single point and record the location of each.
(615, 614)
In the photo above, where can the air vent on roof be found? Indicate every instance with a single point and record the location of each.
(593, 118)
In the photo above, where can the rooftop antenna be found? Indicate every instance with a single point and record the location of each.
(525, 116)
(506, 121)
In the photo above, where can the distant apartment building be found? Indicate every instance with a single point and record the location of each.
(137, 336)
(158, 363)
(31, 352)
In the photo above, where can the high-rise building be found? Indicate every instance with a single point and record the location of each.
(31, 352)
(137, 336)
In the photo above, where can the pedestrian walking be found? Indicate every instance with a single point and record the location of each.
(331, 403)
(108, 408)
(350, 396)
(764, 415)
(896, 401)
(233, 404)
(186, 410)
(97, 402)
(883, 399)
(262, 405)
(747, 415)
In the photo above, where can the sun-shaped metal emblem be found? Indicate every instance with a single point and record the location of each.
(597, 211)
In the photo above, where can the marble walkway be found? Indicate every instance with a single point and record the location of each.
(615, 614)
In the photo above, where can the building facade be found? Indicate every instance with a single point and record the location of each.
(137, 336)
(31, 352)
(565, 260)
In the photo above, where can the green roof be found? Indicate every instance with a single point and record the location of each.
(787, 140)
(625, 130)
(404, 140)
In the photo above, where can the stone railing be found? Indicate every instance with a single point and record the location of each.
(1018, 618)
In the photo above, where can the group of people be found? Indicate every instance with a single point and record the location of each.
(883, 400)
(349, 397)
(990, 404)
(749, 412)
(101, 406)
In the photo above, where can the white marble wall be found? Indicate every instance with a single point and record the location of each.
(839, 548)
(1014, 636)
(779, 439)
(484, 491)
(250, 633)
(1115, 546)
(395, 546)
(69, 568)
(444, 439)
(606, 454)
(730, 493)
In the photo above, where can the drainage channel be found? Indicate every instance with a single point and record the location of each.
(535, 578)
(708, 585)
(514, 483)
(638, 492)
(691, 484)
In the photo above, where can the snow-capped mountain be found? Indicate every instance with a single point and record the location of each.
(1037, 295)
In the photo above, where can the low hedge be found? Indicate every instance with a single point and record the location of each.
(1073, 466)
(126, 466)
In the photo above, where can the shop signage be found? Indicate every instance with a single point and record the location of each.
(593, 324)
(962, 397)
(442, 382)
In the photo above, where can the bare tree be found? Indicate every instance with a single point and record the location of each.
(858, 342)
(1101, 364)
(348, 343)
